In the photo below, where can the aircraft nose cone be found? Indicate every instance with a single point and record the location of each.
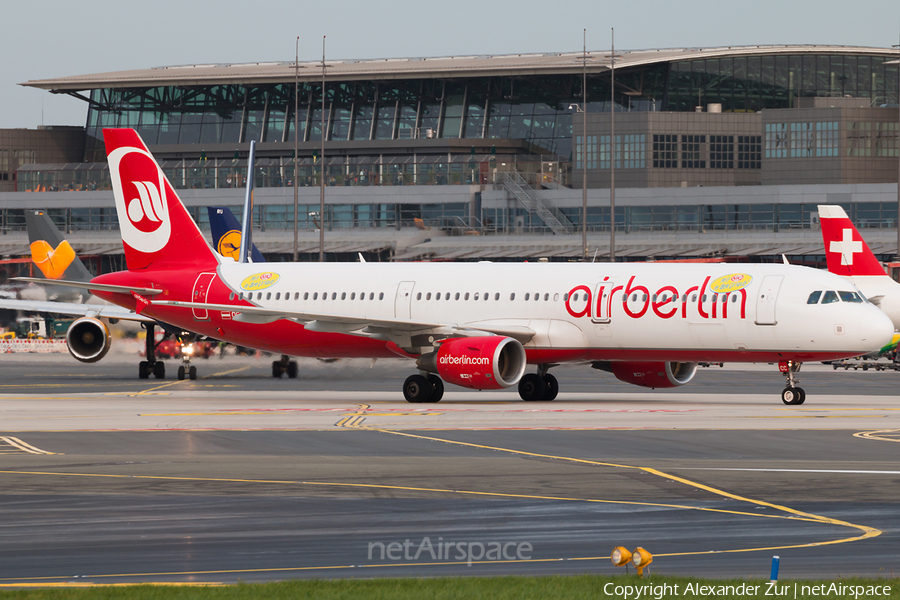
(875, 328)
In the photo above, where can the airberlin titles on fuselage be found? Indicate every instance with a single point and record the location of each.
(666, 302)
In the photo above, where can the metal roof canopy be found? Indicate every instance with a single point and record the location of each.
(411, 68)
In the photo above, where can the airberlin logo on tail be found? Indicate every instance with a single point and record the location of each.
(139, 187)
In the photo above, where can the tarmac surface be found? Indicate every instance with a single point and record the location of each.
(106, 478)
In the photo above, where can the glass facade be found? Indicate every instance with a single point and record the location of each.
(534, 108)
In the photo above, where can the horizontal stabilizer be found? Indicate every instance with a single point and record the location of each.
(100, 287)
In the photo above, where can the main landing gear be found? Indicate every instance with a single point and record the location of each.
(285, 365)
(151, 366)
(540, 386)
(791, 394)
(425, 387)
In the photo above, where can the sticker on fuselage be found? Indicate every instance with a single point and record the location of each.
(260, 281)
(730, 283)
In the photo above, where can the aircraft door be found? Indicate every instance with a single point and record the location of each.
(201, 289)
(403, 299)
(765, 302)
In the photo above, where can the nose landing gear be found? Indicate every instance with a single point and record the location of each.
(791, 394)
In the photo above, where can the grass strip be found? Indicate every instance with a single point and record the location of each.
(622, 587)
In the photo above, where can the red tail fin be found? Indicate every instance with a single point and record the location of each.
(156, 228)
(846, 251)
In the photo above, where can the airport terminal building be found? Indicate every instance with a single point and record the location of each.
(719, 152)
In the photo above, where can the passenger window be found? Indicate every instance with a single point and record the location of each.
(814, 297)
(527, 296)
(694, 298)
(269, 295)
(428, 296)
(447, 296)
(703, 299)
(353, 296)
(334, 295)
(733, 299)
(850, 297)
(546, 297)
(419, 296)
(457, 296)
(556, 297)
(512, 296)
(466, 297)
(830, 297)
(231, 296)
(724, 298)
(278, 296)
(343, 295)
(475, 297)
(497, 296)
(380, 295)
(437, 296)
(315, 295)
(306, 295)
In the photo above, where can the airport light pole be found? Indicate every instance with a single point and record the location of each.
(584, 248)
(897, 220)
(296, 145)
(612, 147)
(322, 167)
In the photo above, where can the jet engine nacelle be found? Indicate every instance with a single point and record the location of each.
(653, 374)
(88, 339)
(480, 363)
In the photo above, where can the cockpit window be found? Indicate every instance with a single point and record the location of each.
(849, 297)
(830, 296)
(814, 297)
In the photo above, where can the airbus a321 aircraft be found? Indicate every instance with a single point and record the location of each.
(478, 325)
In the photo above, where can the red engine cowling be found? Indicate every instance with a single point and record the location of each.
(88, 339)
(653, 374)
(480, 363)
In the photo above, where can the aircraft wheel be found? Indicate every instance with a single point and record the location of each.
(292, 369)
(437, 388)
(532, 388)
(181, 373)
(143, 369)
(192, 372)
(417, 389)
(277, 369)
(552, 388)
(793, 396)
(159, 369)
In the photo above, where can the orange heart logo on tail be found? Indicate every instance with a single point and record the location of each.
(52, 262)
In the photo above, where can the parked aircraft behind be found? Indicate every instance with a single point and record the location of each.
(477, 325)
(56, 258)
(848, 255)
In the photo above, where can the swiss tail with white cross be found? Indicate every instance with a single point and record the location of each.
(849, 256)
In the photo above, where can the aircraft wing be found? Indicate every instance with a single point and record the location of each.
(391, 329)
(105, 311)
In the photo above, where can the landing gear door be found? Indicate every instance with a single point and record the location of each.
(201, 289)
(765, 302)
(403, 299)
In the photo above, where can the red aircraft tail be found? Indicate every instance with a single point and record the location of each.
(846, 251)
(156, 228)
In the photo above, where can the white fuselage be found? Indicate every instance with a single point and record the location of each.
(687, 311)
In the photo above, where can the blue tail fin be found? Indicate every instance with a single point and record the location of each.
(226, 234)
